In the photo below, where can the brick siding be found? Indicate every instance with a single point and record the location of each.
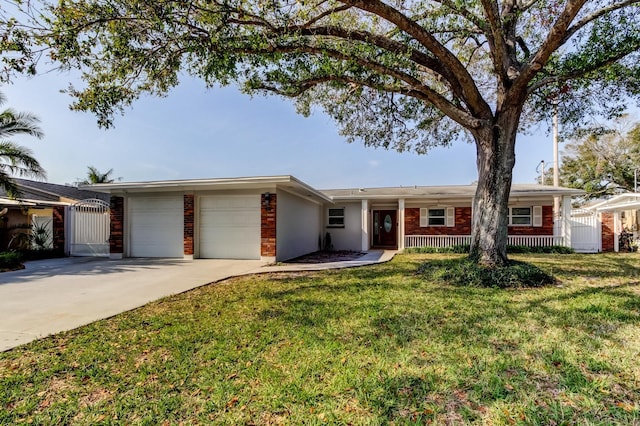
(463, 224)
(545, 229)
(116, 233)
(58, 229)
(268, 225)
(188, 224)
(608, 234)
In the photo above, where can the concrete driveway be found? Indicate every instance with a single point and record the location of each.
(55, 295)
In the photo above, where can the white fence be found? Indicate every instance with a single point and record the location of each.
(453, 240)
(90, 221)
(586, 231)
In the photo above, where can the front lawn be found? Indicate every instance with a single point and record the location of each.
(375, 345)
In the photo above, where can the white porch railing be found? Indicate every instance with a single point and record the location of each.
(454, 240)
(436, 240)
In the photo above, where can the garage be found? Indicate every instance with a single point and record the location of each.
(156, 226)
(229, 226)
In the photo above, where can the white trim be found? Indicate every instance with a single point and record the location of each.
(520, 224)
(401, 230)
(536, 216)
(329, 216)
(450, 215)
(364, 220)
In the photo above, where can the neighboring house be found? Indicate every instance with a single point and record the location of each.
(617, 215)
(35, 207)
(280, 217)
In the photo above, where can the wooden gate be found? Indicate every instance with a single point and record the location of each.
(89, 236)
(585, 231)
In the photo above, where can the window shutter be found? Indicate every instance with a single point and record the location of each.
(537, 216)
(424, 221)
(451, 216)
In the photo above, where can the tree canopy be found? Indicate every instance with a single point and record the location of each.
(15, 159)
(405, 75)
(96, 176)
(603, 163)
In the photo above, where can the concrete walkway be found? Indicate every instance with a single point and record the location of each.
(55, 295)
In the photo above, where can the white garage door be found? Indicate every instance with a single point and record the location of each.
(156, 226)
(230, 227)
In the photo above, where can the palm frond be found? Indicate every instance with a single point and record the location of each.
(15, 123)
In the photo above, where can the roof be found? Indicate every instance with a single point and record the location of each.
(287, 182)
(438, 192)
(293, 184)
(621, 202)
(50, 192)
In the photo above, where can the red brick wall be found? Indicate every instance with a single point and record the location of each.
(188, 224)
(545, 229)
(268, 225)
(463, 224)
(116, 235)
(608, 234)
(58, 229)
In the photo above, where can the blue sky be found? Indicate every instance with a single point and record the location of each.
(196, 132)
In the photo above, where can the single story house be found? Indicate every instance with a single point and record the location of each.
(39, 204)
(280, 217)
(618, 215)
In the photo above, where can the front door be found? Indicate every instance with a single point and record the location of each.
(385, 232)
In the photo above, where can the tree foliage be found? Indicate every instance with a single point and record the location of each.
(96, 176)
(401, 74)
(603, 163)
(17, 160)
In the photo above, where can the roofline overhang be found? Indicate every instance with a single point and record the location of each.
(607, 204)
(258, 182)
(27, 202)
(559, 192)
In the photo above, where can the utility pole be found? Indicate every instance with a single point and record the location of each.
(556, 162)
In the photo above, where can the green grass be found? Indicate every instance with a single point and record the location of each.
(375, 345)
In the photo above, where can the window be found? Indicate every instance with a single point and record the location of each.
(336, 218)
(520, 216)
(440, 216)
(436, 217)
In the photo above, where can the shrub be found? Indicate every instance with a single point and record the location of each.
(464, 272)
(10, 260)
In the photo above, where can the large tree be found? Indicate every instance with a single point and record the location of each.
(407, 75)
(603, 163)
(15, 159)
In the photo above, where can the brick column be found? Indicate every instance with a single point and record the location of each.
(188, 225)
(608, 232)
(268, 204)
(116, 235)
(58, 230)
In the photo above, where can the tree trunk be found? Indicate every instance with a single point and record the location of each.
(496, 157)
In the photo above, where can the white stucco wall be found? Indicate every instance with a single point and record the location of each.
(349, 237)
(298, 226)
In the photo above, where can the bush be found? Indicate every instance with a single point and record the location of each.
(464, 249)
(464, 272)
(10, 260)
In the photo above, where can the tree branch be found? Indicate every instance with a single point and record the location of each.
(551, 43)
(414, 85)
(497, 41)
(578, 73)
(595, 15)
(471, 95)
